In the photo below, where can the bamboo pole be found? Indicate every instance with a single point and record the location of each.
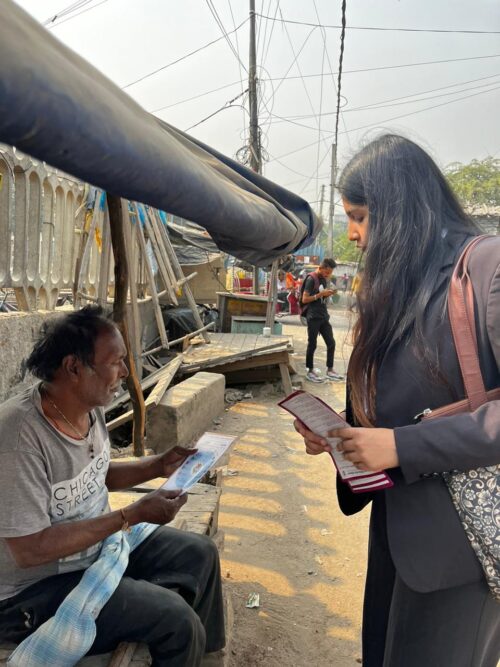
(120, 317)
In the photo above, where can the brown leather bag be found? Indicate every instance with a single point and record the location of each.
(475, 492)
(463, 327)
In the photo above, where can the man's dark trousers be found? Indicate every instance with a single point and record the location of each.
(170, 598)
(319, 326)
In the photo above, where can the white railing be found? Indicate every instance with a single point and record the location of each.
(41, 220)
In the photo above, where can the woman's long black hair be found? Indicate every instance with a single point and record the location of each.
(412, 210)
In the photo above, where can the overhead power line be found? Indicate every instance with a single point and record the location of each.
(395, 101)
(68, 13)
(325, 44)
(382, 28)
(388, 120)
(266, 51)
(218, 20)
(227, 105)
(194, 97)
(296, 62)
(178, 60)
(241, 69)
(384, 67)
(67, 10)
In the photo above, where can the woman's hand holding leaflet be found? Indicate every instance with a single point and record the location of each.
(370, 449)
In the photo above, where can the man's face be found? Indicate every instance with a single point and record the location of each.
(99, 383)
(325, 271)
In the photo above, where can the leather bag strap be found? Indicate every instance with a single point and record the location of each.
(463, 327)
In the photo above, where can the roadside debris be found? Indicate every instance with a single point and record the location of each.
(253, 601)
(229, 472)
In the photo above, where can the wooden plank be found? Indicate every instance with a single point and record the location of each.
(273, 294)
(145, 384)
(179, 275)
(256, 361)
(199, 489)
(142, 657)
(164, 267)
(198, 528)
(164, 381)
(133, 307)
(151, 278)
(196, 517)
(196, 365)
(253, 375)
(105, 263)
(123, 654)
(292, 365)
(243, 297)
(285, 379)
(154, 397)
(101, 660)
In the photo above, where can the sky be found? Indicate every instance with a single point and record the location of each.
(129, 39)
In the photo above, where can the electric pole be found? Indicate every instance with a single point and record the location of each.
(254, 139)
(321, 202)
(255, 158)
(329, 251)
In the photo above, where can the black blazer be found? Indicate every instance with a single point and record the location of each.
(428, 544)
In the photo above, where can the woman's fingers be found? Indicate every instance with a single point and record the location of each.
(315, 444)
(314, 448)
(309, 435)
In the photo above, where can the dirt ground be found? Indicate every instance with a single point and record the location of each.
(285, 537)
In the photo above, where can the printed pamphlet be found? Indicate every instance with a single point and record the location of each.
(319, 417)
(211, 446)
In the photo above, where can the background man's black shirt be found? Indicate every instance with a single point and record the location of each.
(316, 309)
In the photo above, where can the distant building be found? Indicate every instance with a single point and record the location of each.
(488, 218)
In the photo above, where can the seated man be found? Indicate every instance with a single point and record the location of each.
(55, 474)
(282, 292)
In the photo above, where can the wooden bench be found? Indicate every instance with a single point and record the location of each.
(199, 515)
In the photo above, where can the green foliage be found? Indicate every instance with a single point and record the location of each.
(345, 250)
(476, 184)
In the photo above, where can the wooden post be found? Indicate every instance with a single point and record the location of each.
(272, 296)
(120, 318)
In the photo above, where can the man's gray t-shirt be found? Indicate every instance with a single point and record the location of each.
(46, 478)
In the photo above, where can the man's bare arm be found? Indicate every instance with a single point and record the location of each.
(307, 298)
(65, 539)
(126, 474)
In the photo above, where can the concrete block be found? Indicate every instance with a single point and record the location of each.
(186, 411)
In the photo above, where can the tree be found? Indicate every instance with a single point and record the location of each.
(476, 184)
(345, 250)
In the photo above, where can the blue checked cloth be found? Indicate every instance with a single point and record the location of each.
(66, 637)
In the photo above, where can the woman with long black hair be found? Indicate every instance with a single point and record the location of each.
(427, 602)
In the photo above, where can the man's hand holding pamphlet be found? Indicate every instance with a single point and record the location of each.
(210, 447)
(318, 417)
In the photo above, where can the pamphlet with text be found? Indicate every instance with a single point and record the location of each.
(318, 417)
(211, 446)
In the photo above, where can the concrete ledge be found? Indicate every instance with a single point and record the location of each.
(185, 411)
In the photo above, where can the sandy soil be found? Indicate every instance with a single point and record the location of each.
(285, 537)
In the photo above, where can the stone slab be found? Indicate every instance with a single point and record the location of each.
(186, 411)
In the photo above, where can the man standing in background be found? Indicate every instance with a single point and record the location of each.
(314, 297)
